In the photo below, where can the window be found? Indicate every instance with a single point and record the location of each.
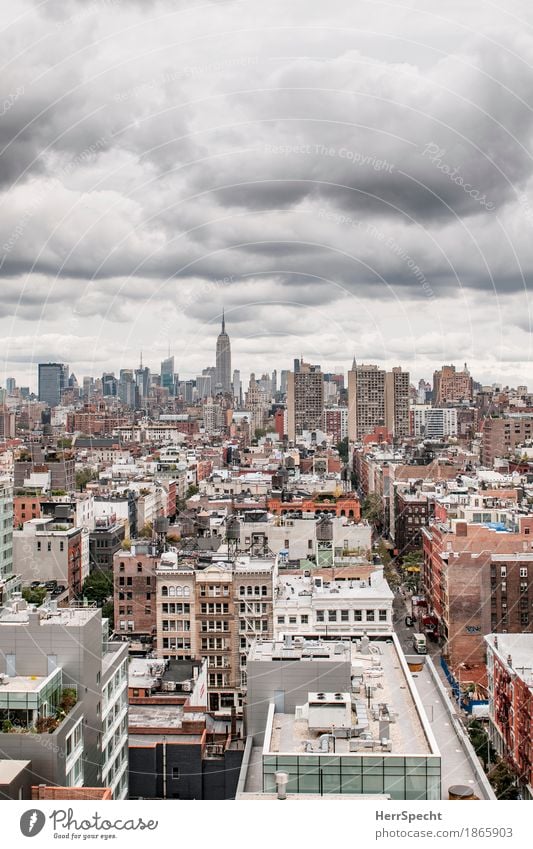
(332, 615)
(503, 572)
(358, 615)
(304, 619)
(49, 545)
(175, 773)
(121, 567)
(382, 615)
(38, 545)
(310, 544)
(129, 581)
(345, 615)
(139, 567)
(320, 616)
(523, 571)
(370, 616)
(61, 545)
(292, 620)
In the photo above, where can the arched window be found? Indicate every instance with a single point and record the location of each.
(249, 591)
(242, 590)
(257, 590)
(172, 591)
(164, 590)
(179, 590)
(264, 590)
(186, 591)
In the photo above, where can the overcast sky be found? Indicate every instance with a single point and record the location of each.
(345, 178)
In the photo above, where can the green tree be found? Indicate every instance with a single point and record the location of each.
(192, 490)
(108, 611)
(98, 586)
(372, 510)
(34, 595)
(342, 448)
(481, 743)
(83, 476)
(146, 531)
(503, 780)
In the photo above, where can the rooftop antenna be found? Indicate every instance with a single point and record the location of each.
(223, 321)
(141, 360)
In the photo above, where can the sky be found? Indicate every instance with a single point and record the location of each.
(345, 178)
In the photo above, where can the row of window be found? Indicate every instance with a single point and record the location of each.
(176, 624)
(172, 591)
(335, 616)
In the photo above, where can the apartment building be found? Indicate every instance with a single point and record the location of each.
(510, 685)
(134, 592)
(451, 386)
(9, 581)
(45, 550)
(377, 399)
(64, 706)
(478, 580)
(305, 400)
(502, 435)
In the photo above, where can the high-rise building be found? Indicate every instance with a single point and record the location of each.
(11, 385)
(397, 403)
(451, 386)
(203, 386)
(143, 382)
(167, 375)
(53, 378)
(237, 388)
(377, 398)
(223, 361)
(127, 388)
(305, 399)
(109, 385)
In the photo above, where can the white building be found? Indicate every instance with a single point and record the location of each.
(313, 607)
(433, 422)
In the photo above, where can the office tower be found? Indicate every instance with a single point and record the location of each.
(68, 680)
(223, 361)
(305, 399)
(185, 389)
(377, 398)
(274, 382)
(451, 386)
(283, 382)
(53, 378)
(256, 403)
(203, 386)
(237, 388)
(109, 384)
(11, 385)
(143, 382)
(88, 388)
(167, 375)
(127, 388)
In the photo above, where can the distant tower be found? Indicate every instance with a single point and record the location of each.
(223, 361)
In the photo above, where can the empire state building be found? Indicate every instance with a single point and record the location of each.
(223, 362)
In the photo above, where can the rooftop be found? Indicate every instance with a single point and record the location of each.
(9, 770)
(516, 652)
(294, 587)
(383, 705)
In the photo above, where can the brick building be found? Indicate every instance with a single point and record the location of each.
(134, 589)
(477, 580)
(510, 682)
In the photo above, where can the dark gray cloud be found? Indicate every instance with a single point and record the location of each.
(308, 156)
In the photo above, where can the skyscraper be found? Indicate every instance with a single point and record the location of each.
(305, 399)
(53, 378)
(223, 361)
(167, 375)
(377, 398)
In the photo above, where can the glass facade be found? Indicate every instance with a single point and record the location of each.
(23, 707)
(416, 777)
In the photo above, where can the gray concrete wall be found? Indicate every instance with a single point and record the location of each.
(295, 679)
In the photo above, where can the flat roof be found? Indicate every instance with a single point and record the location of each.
(268, 650)
(391, 686)
(9, 770)
(290, 586)
(160, 716)
(23, 684)
(516, 652)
